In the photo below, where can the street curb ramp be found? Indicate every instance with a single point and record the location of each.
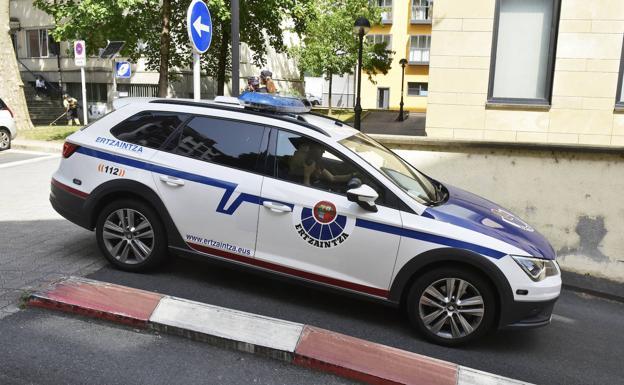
(295, 343)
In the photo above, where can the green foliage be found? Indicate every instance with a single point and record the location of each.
(139, 23)
(329, 46)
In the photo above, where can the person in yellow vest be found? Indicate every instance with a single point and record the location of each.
(71, 109)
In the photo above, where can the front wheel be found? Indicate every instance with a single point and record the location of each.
(451, 305)
(5, 139)
(131, 235)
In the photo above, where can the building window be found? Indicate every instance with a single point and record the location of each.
(417, 89)
(378, 39)
(419, 49)
(37, 42)
(523, 52)
(386, 11)
(422, 11)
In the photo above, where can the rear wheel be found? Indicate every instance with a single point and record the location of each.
(5, 139)
(131, 235)
(451, 305)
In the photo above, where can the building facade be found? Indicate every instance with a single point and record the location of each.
(406, 27)
(39, 55)
(547, 71)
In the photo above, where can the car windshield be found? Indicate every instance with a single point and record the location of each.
(388, 163)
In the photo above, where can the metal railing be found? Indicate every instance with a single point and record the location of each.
(422, 12)
(386, 15)
(54, 88)
(418, 55)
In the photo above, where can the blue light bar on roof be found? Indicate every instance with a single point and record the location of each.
(273, 103)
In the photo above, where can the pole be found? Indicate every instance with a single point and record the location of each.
(196, 77)
(114, 80)
(235, 47)
(400, 118)
(358, 106)
(84, 96)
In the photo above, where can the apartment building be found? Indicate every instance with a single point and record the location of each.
(406, 27)
(547, 71)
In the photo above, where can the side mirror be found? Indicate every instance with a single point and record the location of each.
(364, 196)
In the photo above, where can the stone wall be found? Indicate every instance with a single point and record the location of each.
(573, 196)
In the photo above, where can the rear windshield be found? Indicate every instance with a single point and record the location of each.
(2, 105)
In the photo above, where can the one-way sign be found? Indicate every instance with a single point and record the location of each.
(199, 25)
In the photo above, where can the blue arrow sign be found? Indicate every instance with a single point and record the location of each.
(199, 25)
(123, 69)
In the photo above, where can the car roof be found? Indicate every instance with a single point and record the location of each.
(329, 127)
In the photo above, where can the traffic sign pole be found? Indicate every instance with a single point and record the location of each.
(80, 59)
(196, 76)
(199, 28)
(84, 96)
(114, 79)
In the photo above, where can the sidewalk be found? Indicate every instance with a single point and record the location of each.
(295, 343)
(37, 145)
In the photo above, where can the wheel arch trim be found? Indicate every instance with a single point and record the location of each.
(431, 258)
(99, 196)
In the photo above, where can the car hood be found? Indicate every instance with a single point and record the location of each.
(472, 212)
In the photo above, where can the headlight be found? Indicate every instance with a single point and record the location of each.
(537, 269)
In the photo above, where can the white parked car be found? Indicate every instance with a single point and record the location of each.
(305, 197)
(8, 130)
(313, 99)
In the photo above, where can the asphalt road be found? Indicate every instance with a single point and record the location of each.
(579, 347)
(43, 347)
(582, 346)
(17, 155)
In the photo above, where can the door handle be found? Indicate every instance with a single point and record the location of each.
(277, 207)
(171, 181)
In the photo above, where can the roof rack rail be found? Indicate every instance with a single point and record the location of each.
(290, 118)
(337, 121)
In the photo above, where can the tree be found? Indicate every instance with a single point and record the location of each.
(329, 46)
(156, 30)
(12, 90)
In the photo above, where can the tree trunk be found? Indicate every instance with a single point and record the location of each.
(165, 43)
(223, 57)
(12, 90)
(331, 79)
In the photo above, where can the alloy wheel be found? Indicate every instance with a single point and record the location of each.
(128, 236)
(451, 308)
(5, 140)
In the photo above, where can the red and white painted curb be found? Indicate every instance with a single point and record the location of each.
(299, 344)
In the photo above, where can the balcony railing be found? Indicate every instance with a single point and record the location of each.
(421, 14)
(419, 56)
(386, 15)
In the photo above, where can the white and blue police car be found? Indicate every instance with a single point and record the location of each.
(263, 183)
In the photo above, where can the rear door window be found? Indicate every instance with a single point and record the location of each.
(149, 129)
(230, 143)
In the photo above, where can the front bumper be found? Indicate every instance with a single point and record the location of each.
(526, 315)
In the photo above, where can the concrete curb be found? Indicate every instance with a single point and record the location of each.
(295, 343)
(37, 145)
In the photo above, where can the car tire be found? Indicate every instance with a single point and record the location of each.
(131, 235)
(468, 313)
(5, 139)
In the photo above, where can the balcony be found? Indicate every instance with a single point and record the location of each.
(386, 15)
(422, 12)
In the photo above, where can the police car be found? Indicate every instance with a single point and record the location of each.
(264, 184)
